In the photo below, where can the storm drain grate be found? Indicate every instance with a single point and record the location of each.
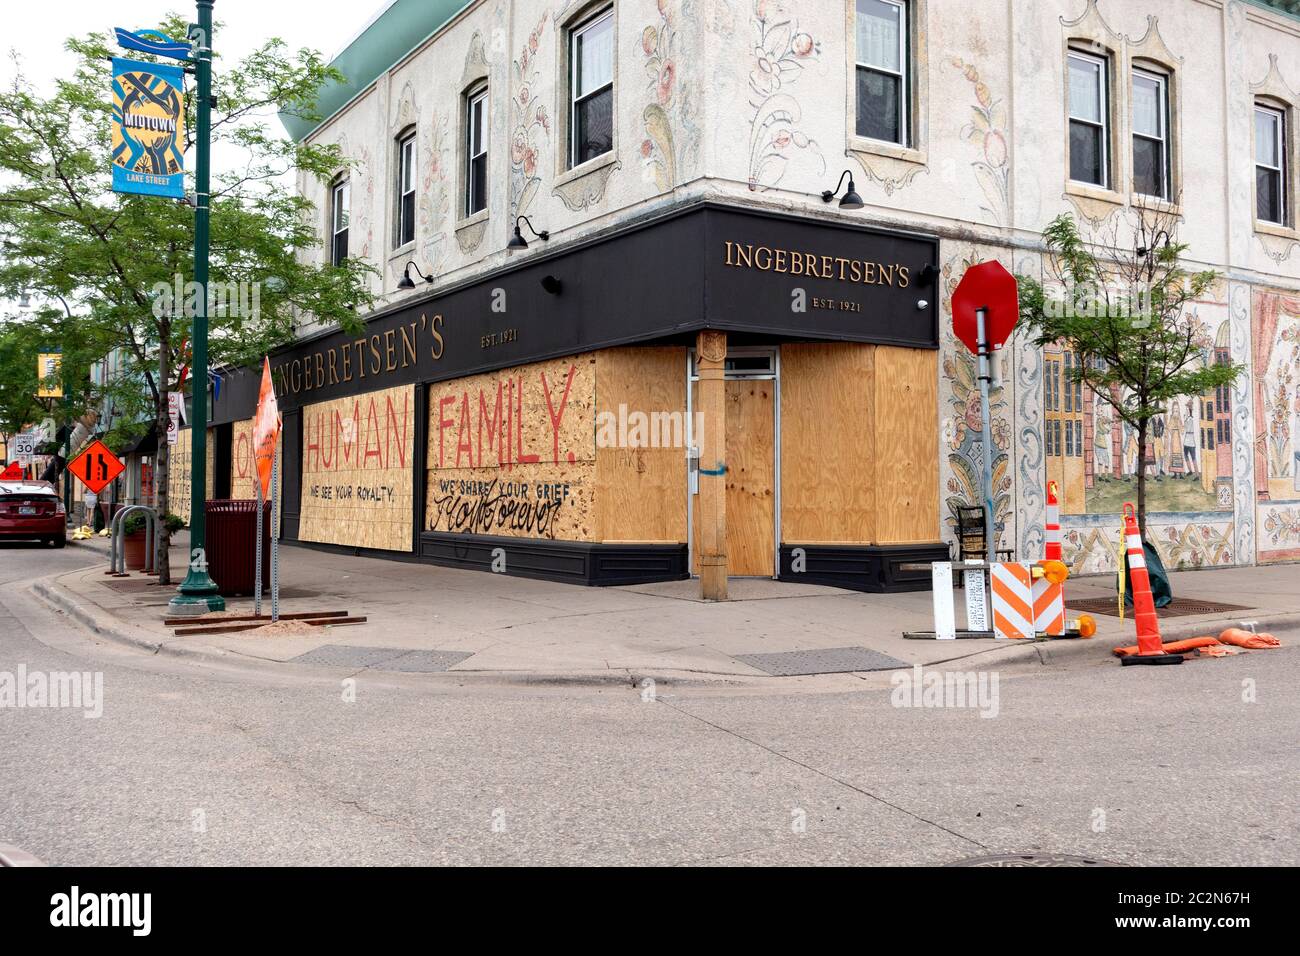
(383, 658)
(1033, 859)
(826, 660)
(1178, 607)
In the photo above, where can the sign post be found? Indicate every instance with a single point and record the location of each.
(985, 307)
(198, 592)
(23, 448)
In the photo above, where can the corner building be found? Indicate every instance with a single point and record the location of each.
(651, 348)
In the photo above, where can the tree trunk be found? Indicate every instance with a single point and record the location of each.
(1142, 478)
(162, 467)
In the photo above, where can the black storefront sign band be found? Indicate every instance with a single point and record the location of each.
(704, 266)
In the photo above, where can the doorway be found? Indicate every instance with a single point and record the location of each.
(752, 457)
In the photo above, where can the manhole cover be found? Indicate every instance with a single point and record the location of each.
(383, 658)
(1033, 859)
(1178, 607)
(827, 660)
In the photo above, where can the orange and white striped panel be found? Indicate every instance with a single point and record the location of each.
(1049, 607)
(1013, 601)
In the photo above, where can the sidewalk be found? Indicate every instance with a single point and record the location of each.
(508, 625)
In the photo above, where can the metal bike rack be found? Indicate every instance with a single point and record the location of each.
(117, 544)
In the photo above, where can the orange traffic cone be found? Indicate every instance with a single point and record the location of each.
(1052, 543)
(1150, 649)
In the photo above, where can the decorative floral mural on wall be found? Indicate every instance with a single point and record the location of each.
(1275, 342)
(533, 127)
(669, 104)
(435, 190)
(987, 130)
(780, 52)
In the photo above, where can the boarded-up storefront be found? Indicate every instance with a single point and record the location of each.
(357, 468)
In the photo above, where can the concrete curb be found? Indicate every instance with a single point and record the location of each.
(1044, 652)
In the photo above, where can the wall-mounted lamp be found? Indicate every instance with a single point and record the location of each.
(406, 282)
(928, 273)
(851, 198)
(517, 241)
(551, 284)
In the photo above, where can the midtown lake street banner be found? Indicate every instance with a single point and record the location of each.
(148, 129)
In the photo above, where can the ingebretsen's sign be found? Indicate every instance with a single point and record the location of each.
(703, 267)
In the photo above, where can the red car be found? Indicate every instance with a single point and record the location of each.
(32, 510)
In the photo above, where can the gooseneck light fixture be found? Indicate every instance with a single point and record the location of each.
(851, 198)
(406, 282)
(517, 241)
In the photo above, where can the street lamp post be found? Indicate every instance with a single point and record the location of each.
(198, 593)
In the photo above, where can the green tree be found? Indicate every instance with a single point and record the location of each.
(1123, 310)
(114, 257)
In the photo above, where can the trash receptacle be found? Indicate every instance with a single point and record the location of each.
(232, 544)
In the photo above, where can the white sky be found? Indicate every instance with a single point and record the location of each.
(37, 29)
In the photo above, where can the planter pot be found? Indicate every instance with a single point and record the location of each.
(133, 550)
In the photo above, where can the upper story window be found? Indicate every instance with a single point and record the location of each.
(1270, 165)
(406, 189)
(591, 88)
(882, 69)
(1089, 132)
(1151, 134)
(340, 211)
(476, 136)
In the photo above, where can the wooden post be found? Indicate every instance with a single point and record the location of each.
(711, 352)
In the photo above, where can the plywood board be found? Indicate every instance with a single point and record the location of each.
(641, 433)
(750, 478)
(179, 473)
(906, 470)
(513, 452)
(357, 470)
(827, 440)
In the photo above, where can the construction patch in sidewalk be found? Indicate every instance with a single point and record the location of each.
(383, 658)
(826, 660)
(1178, 607)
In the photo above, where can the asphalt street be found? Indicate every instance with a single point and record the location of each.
(192, 763)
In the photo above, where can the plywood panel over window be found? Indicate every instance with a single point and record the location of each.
(827, 415)
(357, 468)
(513, 452)
(906, 472)
(179, 473)
(641, 433)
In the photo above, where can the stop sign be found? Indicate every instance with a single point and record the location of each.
(991, 287)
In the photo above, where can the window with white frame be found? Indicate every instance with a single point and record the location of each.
(340, 212)
(882, 68)
(591, 88)
(1089, 132)
(1151, 163)
(406, 189)
(476, 137)
(1270, 164)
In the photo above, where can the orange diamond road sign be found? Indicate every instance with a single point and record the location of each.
(96, 467)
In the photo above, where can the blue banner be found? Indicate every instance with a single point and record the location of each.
(148, 129)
